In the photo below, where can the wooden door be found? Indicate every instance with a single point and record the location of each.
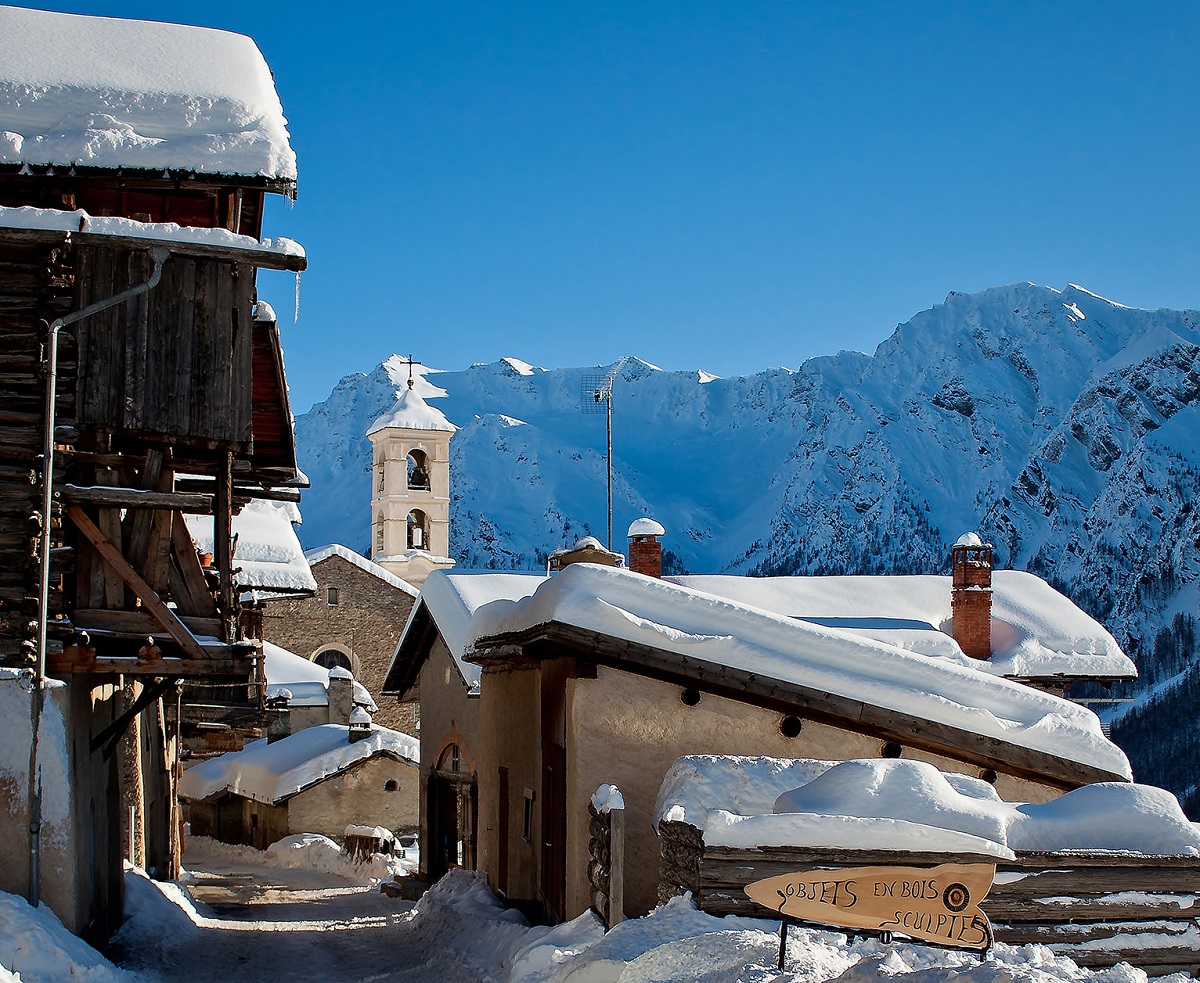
(554, 831)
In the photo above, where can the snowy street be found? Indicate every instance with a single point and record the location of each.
(319, 925)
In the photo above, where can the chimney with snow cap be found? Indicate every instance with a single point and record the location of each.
(971, 596)
(360, 725)
(341, 695)
(645, 551)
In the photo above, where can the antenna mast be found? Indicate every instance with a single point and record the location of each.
(597, 390)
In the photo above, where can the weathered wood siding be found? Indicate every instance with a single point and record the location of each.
(174, 362)
(1097, 908)
(35, 285)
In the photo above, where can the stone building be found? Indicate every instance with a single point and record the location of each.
(319, 780)
(353, 621)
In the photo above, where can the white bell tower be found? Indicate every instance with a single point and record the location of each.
(410, 487)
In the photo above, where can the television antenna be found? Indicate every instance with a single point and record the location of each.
(596, 396)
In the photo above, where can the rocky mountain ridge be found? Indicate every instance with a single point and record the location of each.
(1064, 427)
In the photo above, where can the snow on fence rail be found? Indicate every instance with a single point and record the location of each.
(1099, 908)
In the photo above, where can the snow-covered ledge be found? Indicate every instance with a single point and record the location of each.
(81, 227)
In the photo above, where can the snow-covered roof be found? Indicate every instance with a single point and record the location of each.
(900, 804)
(753, 641)
(273, 772)
(411, 412)
(268, 550)
(453, 598)
(1036, 631)
(304, 683)
(114, 93)
(315, 556)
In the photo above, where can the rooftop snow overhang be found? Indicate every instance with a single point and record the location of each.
(39, 225)
(555, 639)
(412, 651)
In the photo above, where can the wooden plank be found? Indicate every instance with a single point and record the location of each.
(139, 521)
(136, 624)
(165, 616)
(136, 498)
(224, 661)
(192, 595)
(1021, 933)
(1078, 882)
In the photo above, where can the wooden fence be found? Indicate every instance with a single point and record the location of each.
(1097, 908)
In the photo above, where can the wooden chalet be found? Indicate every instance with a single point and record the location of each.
(137, 387)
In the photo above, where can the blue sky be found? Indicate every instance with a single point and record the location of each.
(727, 186)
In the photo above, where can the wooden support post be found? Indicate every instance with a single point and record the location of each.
(616, 867)
(150, 600)
(223, 544)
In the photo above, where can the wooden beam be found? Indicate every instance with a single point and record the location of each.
(135, 498)
(248, 255)
(224, 661)
(136, 624)
(150, 600)
(192, 594)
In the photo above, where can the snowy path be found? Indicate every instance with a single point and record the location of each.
(303, 924)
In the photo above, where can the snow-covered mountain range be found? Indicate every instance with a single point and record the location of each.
(1062, 426)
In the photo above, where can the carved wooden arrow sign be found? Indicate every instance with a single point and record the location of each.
(937, 904)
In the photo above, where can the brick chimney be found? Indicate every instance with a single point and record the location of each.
(645, 551)
(971, 596)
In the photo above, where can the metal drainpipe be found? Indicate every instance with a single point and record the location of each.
(159, 255)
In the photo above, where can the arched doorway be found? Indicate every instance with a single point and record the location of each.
(452, 808)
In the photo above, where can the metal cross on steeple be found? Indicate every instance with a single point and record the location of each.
(410, 364)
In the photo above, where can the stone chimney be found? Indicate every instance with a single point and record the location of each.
(279, 716)
(360, 725)
(645, 551)
(587, 550)
(971, 596)
(341, 695)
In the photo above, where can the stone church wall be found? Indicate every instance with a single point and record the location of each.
(364, 624)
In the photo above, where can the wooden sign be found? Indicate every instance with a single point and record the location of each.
(937, 904)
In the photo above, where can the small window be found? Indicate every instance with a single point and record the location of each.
(989, 775)
(391, 785)
(790, 726)
(527, 824)
(891, 750)
(690, 696)
(333, 597)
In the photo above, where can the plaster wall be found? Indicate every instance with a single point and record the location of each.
(58, 891)
(359, 796)
(510, 726)
(448, 716)
(627, 730)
